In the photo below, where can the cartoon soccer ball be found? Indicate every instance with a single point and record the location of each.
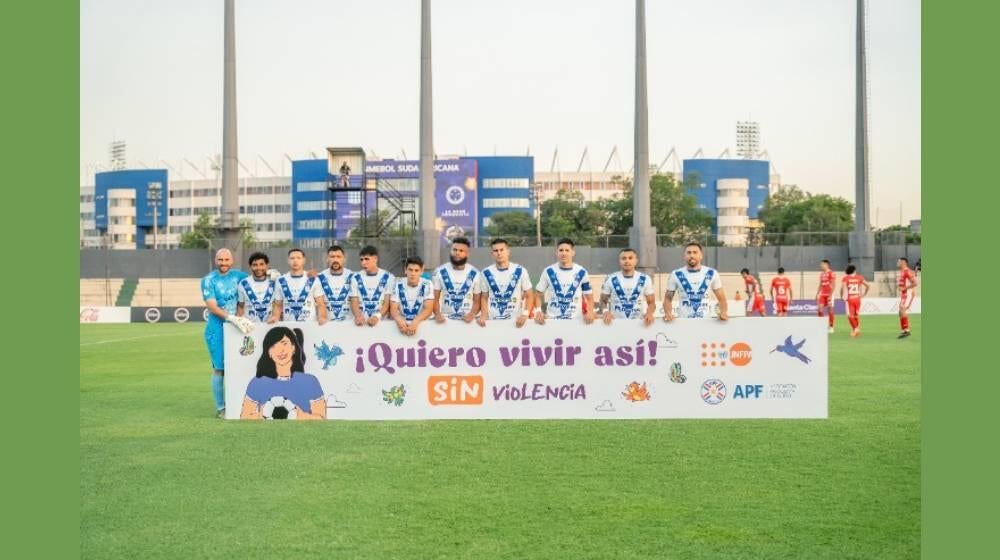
(278, 408)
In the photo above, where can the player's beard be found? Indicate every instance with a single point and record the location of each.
(692, 263)
(459, 262)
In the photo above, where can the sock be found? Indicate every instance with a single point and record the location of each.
(831, 316)
(853, 321)
(905, 322)
(218, 391)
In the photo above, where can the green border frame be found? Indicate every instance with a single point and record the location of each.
(959, 93)
(959, 118)
(41, 116)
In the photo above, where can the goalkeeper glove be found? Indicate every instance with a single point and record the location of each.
(242, 323)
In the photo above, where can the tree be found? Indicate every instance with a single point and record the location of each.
(512, 224)
(200, 234)
(673, 209)
(206, 229)
(792, 210)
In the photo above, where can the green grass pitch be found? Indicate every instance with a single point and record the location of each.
(160, 477)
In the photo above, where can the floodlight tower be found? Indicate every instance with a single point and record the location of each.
(642, 234)
(430, 246)
(861, 246)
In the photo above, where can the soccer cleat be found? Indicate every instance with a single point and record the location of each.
(904, 334)
(221, 413)
(855, 332)
(831, 330)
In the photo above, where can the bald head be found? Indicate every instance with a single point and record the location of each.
(224, 260)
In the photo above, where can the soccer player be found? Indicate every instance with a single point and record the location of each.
(335, 282)
(564, 287)
(412, 300)
(824, 293)
(907, 283)
(781, 292)
(755, 296)
(219, 291)
(628, 294)
(297, 295)
(458, 280)
(257, 291)
(853, 283)
(694, 281)
(371, 288)
(504, 288)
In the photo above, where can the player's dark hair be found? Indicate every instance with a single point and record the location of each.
(827, 261)
(257, 257)
(266, 366)
(498, 241)
(296, 250)
(461, 241)
(850, 269)
(368, 251)
(335, 248)
(745, 271)
(629, 250)
(694, 244)
(566, 241)
(414, 260)
(904, 259)
(781, 270)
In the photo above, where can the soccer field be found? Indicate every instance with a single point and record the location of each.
(160, 477)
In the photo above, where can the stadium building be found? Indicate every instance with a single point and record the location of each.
(733, 191)
(314, 204)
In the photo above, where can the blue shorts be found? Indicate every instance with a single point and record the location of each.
(216, 348)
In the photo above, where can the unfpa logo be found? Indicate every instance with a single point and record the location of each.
(718, 354)
(455, 389)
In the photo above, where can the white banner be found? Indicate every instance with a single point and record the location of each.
(690, 368)
(92, 314)
(886, 306)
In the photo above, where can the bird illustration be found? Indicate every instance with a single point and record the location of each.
(792, 350)
(328, 354)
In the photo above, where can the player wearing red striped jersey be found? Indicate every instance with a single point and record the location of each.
(755, 297)
(855, 287)
(781, 292)
(907, 285)
(824, 293)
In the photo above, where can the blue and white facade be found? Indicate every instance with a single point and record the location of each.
(733, 191)
(123, 209)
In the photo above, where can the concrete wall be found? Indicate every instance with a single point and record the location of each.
(194, 263)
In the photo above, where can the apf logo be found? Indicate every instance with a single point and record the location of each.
(748, 391)
(455, 389)
(717, 354)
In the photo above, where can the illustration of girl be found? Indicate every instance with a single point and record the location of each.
(282, 389)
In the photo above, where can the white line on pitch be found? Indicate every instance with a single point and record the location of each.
(132, 338)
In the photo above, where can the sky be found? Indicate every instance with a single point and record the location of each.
(509, 77)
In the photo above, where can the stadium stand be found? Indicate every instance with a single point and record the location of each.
(99, 292)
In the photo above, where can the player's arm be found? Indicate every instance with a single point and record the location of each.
(720, 296)
(650, 308)
(471, 315)
(483, 298)
(790, 295)
(668, 305)
(865, 284)
(543, 284)
(359, 319)
(843, 286)
(772, 290)
(240, 309)
(912, 281)
(605, 301)
(397, 316)
(321, 313)
(540, 308)
(426, 309)
(438, 316)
